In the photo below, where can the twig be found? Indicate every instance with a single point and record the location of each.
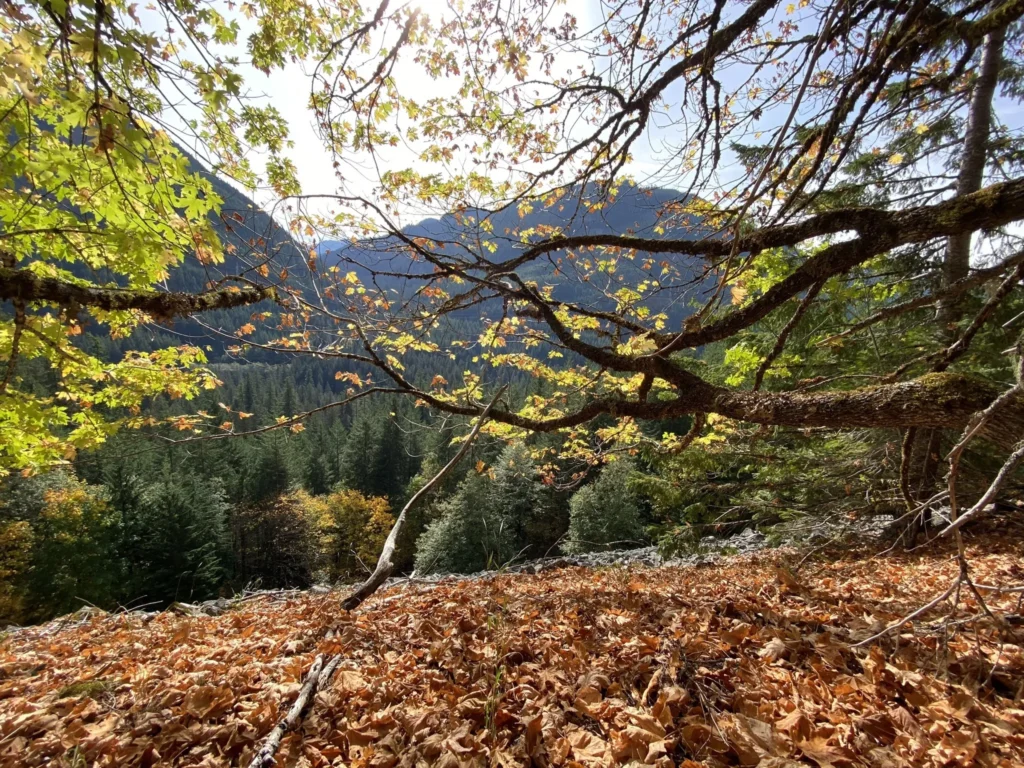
(990, 494)
(265, 757)
(912, 616)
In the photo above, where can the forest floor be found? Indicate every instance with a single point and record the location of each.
(748, 661)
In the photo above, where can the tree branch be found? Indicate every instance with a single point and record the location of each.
(25, 285)
(385, 564)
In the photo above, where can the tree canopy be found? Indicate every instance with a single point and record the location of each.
(841, 164)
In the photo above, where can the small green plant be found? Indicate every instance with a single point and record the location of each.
(90, 688)
(75, 758)
(493, 699)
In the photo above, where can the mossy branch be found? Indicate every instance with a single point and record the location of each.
(25, 285)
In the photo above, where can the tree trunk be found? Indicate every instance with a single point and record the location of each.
(957, 263)
(946, 400)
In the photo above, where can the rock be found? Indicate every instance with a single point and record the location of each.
(183, 609)
(710, 550)
(215, 607)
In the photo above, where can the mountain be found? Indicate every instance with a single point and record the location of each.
(250, 233)
(500, 235)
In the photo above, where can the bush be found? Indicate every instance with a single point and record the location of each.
(605, 514)
(15, 560)
(57, 538)
(351, 529)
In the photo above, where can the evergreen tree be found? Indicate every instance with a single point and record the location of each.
(180, 550)
(316, 476)
(273, 544)
(439, 450)
(356, 455)
(468, 534)
(287, 406)
(605, 514)
(388, 471)
(520, 501)
(267, 473)
(248, 399)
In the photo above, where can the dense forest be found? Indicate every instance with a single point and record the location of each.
(142, 521)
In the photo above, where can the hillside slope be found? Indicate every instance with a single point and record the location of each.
(735, 664)
(499, 235)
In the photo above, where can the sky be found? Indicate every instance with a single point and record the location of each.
(288, 90)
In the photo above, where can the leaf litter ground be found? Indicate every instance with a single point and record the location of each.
(740, 663)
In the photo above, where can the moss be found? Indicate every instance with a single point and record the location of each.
(946, 388)
(955, 388)
(91, 688)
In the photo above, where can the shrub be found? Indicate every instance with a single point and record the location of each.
(351, 529)
(57, 538)
(15, 559)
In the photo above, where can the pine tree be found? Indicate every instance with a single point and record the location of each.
(287, 406)
(316, 473)
(248, 399)
(267, 474)
(274, 544)
(181, 548)
(356, 455)
(468, 534)
(605, 514)
(388, 471)
(520, 501)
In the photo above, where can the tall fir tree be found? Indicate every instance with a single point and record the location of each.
(606, 513)
(468, 534)
(521, 501)
(181, 547)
